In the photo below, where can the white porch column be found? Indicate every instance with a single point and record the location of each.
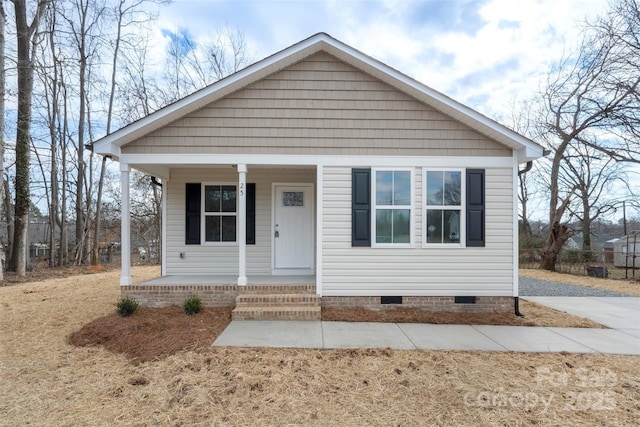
(125, 243)
(319, 225)
(163, 267)
(242, 225)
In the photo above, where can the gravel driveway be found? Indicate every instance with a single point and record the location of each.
(536, 287)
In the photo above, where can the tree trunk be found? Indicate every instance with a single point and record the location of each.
(25, 89)
(2, 91)
(8, 209)
(558, 236)
(96, 242)
(80, 220)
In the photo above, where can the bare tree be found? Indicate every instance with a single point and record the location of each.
(521, 121)
(589, 99)
(2, 91)
(598, 180)
(125, 13)
(25, 38)
(83, 19)
(192, 64)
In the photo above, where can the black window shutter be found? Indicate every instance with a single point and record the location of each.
(251, 214)
(361, 207)
(475, 207)
(192, 220)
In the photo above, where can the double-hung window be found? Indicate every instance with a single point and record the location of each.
(392, 213)
(443, 218)
(220, 213)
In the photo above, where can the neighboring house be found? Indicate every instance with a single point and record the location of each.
(323, 167)
(626, 251)
(571, 244)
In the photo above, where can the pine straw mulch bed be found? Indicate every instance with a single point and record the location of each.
(535, 315)
(155, 333)
(46, 381)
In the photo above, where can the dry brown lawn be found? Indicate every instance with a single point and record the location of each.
(625, 286)
(46, 381)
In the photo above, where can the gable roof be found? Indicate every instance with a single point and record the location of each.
(111, 144)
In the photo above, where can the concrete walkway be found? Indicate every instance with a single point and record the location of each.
(620, 314)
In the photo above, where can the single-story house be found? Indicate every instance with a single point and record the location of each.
(323, 171)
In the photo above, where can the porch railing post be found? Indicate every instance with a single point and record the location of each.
(242, 225)
(125, 223)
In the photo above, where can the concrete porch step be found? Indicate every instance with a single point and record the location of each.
(287, 312)
(277, 300)
(296, 304)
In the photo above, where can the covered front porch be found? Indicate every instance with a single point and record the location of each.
(267, 236)
(263, 297)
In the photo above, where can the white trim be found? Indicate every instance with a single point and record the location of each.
(241, 230)
(410, 206)
(180, 160)
(204, 214)
(463, 210)
(292, 272)
(163, 268)
(125, 224)
(274, 270)
(516, 230)
(319, 226)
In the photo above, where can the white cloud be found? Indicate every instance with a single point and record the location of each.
(481, 53)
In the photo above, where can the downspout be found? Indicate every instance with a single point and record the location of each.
(526, 169)
(155, 181)
(516, 300)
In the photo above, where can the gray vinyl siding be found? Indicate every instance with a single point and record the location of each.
(417, 271)
(217, 259)
(318, 106)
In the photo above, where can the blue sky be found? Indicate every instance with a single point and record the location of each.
(485, 54)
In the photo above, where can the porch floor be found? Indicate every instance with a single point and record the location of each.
(231, 280)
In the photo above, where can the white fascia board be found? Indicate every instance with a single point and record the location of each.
(190, 160)
(527, 154)
(107, 149)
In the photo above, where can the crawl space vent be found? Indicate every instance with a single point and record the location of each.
(390, 300)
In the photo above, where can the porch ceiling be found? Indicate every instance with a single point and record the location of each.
(163, 170)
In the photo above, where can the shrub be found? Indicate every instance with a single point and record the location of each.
(126, 306)
(192, 305)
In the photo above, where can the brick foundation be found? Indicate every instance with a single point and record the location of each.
(225, 296)
(166, 295)
(428, 303)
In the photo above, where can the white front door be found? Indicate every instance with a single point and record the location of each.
(293, 243)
